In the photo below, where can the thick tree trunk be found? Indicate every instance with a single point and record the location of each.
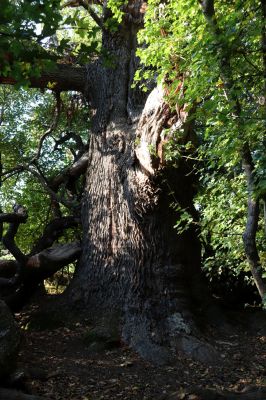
(134, 264)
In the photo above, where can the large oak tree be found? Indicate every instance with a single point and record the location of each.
(134, 268)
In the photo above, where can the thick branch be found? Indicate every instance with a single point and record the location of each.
(62, 78)
(66, 137)
(20, 216)
(13, 218)
(72, 172)
(44, 264)
(208, 8)
(8, 268)
(53, 231)
(8, 239)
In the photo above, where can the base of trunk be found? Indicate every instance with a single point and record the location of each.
(159, 341)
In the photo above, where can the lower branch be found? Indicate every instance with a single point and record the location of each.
(20, 277)
(46, 263)
(63, 78)
(53, 231)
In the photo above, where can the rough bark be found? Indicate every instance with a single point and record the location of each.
(133, 263)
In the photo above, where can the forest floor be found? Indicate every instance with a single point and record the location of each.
(65, 363)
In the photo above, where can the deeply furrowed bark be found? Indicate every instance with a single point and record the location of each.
(133, 263)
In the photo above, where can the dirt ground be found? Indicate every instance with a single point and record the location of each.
(65, 363)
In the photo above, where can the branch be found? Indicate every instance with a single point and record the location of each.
(52, 126)
(8, 240)
(94, 16)
(7, 268)
(15, 219)
(53, 231)
(54, 258)
(46, 186)
(72, 172)
(61, 78)
(66, 137)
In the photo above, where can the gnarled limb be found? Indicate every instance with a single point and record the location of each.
(44, 264)
(53, 231)
(27, 271)
(71, 173)
(15, 219)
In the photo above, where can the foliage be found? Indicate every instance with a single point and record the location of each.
(187, 58)
(24, 26)
(25, 117)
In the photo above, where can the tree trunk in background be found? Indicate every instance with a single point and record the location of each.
(134, 264)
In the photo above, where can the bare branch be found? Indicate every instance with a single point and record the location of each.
(52, 126)
(42, 180)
